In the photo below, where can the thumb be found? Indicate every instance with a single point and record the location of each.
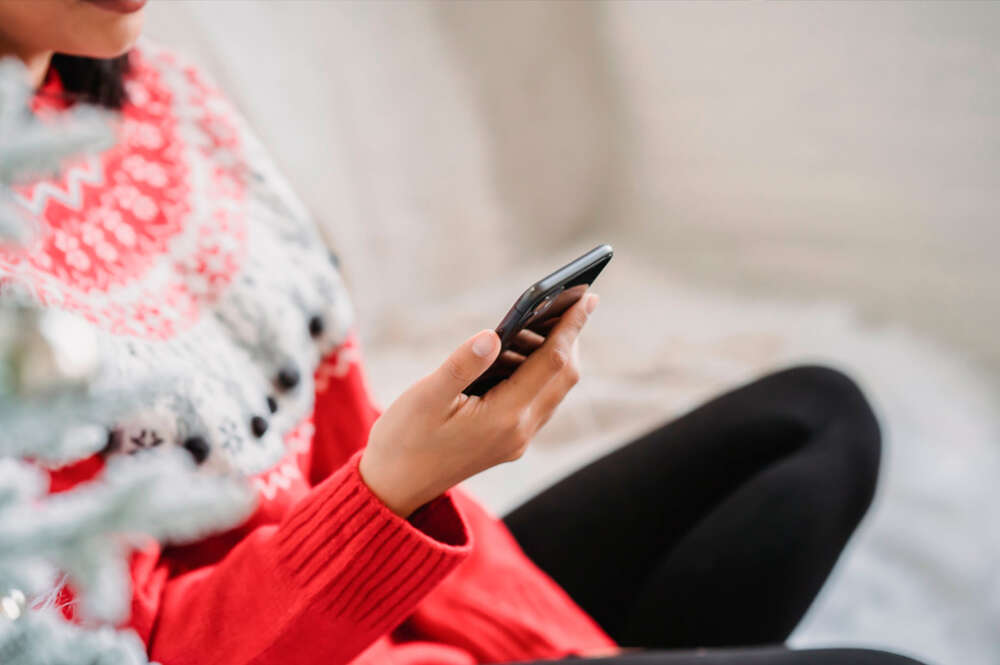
(463, 366)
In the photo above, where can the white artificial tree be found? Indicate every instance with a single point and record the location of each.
(50, 414)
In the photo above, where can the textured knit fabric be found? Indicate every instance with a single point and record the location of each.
(187, 252)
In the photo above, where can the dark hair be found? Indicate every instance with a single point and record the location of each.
(93, 80)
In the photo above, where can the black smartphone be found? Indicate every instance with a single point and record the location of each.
(537, 311)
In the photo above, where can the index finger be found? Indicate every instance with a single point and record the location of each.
(547, 361)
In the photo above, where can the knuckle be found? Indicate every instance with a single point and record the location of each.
(573, 374)
(510, 424)
(559, 358)
(454, 370)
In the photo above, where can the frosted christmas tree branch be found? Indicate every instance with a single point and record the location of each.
(49, 360)
(66, 427)
(50, 411)
(44, 638)
(86, 532)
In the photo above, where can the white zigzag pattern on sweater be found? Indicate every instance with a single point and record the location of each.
(346, 356)
(72, 197)
(282, 476)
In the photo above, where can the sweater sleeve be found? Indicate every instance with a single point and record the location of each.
(344, 411)
(340, 571)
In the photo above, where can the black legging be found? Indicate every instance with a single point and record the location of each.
(719, 528)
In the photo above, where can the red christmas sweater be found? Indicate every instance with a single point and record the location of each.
(186, 250)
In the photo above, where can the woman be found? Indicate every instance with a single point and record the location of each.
(186, 249)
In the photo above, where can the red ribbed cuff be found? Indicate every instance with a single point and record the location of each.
(361, 562)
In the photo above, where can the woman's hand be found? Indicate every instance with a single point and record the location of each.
(434, 436)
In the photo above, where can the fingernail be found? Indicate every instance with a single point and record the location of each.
(482, 346)
(591, 303)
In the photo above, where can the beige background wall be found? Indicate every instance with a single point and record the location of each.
(837, 149)
(815, 149)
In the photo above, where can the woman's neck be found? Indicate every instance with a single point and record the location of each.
(37, 62)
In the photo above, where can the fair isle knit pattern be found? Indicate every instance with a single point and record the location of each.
(203, 274)
(172, 244)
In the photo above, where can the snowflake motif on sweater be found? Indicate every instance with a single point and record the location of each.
(174, 244)
(168, 242)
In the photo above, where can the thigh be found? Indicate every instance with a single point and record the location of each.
(603, 531)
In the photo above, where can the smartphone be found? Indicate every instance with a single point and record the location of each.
(537, 311)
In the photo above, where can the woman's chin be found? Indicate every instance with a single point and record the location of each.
(106, 33)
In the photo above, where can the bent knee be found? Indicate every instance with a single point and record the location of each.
(832, 386)
(841, 419)
(833, 395)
